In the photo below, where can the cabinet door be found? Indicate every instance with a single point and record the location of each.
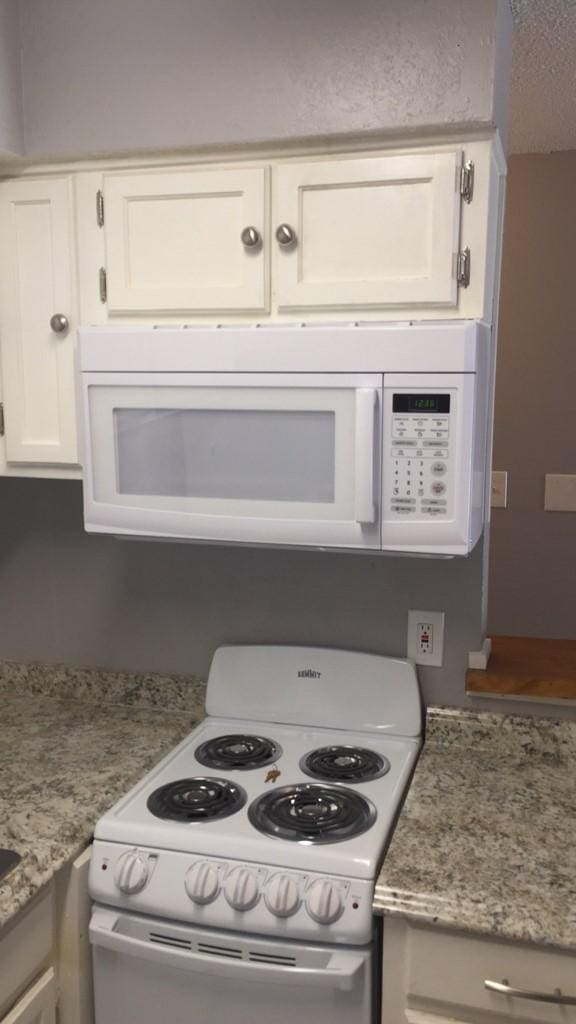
(375, 232)
(38, 1005)
(173, 241)
(37, 281)
(76, 998)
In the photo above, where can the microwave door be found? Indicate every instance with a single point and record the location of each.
(241, 458)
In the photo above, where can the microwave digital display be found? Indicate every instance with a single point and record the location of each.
(421, 403)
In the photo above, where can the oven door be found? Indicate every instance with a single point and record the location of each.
(247, 458)
(148, 970)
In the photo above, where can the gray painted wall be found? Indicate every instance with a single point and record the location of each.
(142, 74)
(533, 552)
(89, 600)
(69, 597)
(115, 77)
(11, 132)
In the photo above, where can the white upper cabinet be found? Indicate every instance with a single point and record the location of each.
(37, 281)
(176, 241)
(377, 232)
(385, 234)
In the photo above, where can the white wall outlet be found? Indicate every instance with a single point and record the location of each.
(426, 637)
(499, 492)
(560, 492)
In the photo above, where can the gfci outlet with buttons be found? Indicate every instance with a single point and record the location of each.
(426, 637)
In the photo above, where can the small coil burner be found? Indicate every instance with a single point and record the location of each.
(238, 752)
(344, 764)
(196, 799)
(313, 814)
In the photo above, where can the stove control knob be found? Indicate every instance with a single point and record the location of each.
(241, 889)
(202, 882)
(131, 872)
(324, 901)
(282, 896)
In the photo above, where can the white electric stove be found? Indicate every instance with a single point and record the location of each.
(249, 854)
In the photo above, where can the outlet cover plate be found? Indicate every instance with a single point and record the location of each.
(499, 491)
(436, 654)
(560, 492)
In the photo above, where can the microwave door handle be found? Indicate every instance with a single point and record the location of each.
(342, 971)
(364, 506)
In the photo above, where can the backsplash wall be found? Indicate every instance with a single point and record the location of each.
(69, 597)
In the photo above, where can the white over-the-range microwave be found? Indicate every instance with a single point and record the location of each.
(368, 437)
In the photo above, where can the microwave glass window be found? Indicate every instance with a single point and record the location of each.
(252, 454)
(404, 402)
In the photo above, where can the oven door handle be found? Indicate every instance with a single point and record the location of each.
(342, 970)
(364, 505)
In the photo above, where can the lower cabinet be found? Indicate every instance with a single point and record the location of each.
(432, 976)
(45, 962)
(38, 1005)
(26, 950)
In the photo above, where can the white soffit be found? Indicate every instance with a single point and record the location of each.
(543, 98)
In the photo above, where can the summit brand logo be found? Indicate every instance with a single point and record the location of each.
(308, 673)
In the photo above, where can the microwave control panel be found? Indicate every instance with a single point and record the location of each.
(419, 437)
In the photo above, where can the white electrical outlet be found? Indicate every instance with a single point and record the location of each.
(426, 637)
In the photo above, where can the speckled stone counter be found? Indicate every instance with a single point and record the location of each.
(71, 742)
(486, 841)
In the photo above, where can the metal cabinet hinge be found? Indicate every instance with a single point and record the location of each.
(1, 419)
(467, 181)
(103, 284)
(100, 208)
(463, 268)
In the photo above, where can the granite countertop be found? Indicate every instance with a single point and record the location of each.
(486, 841)
(71, 742)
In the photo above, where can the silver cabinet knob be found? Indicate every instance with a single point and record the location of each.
(59, 323)
(285, 235)
(251, 238)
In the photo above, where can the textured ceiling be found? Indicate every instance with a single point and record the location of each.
(543, 100)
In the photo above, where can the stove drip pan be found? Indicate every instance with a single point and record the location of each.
(238, 752)
(344, 764)
(196, 799)
(312, 813)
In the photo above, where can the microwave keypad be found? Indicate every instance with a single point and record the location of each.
(420, 465)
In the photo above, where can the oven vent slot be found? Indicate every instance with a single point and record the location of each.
(170, 940)
(227, 951)
(273, 958)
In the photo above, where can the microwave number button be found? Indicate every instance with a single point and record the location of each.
(438, 487)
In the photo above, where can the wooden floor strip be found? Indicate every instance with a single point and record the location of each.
(527, 667)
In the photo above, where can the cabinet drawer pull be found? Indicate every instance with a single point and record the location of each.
(505, 989)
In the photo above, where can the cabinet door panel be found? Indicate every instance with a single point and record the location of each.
(173, 241)
(374, 232)
(36, 281)
(38, 1005)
